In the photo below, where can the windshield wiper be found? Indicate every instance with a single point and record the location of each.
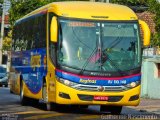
(106, 58)
(88, 60)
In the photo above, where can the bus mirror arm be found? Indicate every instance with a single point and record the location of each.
(146, 33)
(54, 30)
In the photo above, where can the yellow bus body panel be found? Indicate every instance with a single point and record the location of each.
(88, 10)
(29, 94)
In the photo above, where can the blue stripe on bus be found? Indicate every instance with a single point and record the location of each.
(101, 82)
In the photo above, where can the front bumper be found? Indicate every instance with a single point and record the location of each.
(67, 95)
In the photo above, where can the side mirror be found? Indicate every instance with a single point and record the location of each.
(54, 29)
(146, 33)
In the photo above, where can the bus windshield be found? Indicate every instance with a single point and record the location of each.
(99, 46)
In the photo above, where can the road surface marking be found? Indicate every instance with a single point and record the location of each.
(87, 117)
(37, 117)
(31, 112)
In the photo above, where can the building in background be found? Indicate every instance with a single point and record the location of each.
(6, 24)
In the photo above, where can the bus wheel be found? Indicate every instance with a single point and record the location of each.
(115, 110)
(23, 99)
(11, 91)
(45, 98)
(34, 102)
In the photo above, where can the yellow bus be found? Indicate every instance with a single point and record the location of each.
(79, 53)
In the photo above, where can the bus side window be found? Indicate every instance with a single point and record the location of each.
(40, 31)
(52, 46)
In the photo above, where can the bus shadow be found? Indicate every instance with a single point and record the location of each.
(127, 112)
(94, 110)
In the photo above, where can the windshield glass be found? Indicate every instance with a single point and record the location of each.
(120, 46)
(99, 46)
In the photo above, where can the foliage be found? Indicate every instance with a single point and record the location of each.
(155, 39)
(7, 42)
(129, 2)
(19, 8)
(154, 7)
(1, 6)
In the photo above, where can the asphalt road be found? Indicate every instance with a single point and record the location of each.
(11, 109)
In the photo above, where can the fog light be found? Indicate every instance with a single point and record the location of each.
(134, 97)
(64, 95)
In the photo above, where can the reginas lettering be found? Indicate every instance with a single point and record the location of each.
(88, 81)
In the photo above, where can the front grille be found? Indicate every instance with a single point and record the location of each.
(134, 97)
(96, 88)
(91, 98)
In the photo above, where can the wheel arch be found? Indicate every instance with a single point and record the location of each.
(20, 82)
(44, 80)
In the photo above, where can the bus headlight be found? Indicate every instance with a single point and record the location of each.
(66, 82)
(133, 84)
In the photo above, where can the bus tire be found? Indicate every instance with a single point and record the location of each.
(23, 99)
(48, 105)
(34, 102)
(114, 110)
(11, 91)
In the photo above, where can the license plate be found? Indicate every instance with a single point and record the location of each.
(101, 98)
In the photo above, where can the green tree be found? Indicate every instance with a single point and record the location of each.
(1, 7)
(154, 7)
(19, 8)
(7, 42)
(129, 2)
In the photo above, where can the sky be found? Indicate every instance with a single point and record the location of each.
(7, 5)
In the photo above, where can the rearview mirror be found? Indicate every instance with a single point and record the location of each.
(146, 33)
(54, 29)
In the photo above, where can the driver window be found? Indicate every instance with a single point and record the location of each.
(52, 50)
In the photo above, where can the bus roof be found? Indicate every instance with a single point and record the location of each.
(88, 10)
